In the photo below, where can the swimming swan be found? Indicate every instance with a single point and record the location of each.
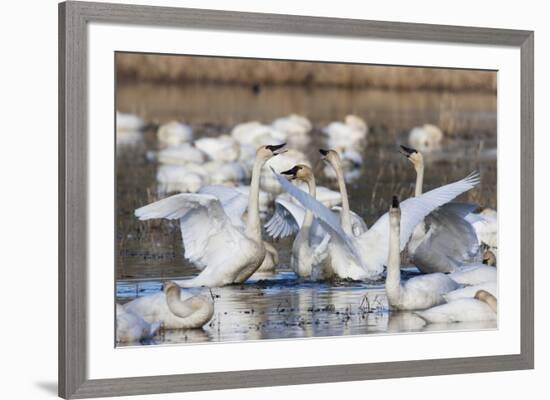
(211, 231)
(352, 133)
(173, 308)
(132, 328)
(417, 293)
(364, 256)
(482, 307)
(445, 239)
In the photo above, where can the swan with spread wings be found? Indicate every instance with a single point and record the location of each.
(363, 257)
(214, 236)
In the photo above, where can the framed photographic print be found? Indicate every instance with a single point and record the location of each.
(240, 187)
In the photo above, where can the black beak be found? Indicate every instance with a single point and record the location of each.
(394, 202)
(291, 172)
(407, 151)
(323, 152)
(275, 149)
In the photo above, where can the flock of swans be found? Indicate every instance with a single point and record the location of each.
(224, 238)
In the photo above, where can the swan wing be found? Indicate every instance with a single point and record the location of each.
(287, 219)
(233, 202)
(413, 211)
(358, 225)
(328, 220)
(204, 225)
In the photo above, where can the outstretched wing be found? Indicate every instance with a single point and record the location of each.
(205, 227)
(233, 202)
(287, 219)
(358, 226)
(328, 220)
(413, 211)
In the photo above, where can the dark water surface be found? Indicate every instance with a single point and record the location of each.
(280, 306)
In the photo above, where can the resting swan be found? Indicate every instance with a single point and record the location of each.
(417, 293)
(211, 231)
(364, 256)
(427, 137)
(445, 239)
(173, 308)
(482, 307)
(352, 133)
(174, 133)
(132, 328)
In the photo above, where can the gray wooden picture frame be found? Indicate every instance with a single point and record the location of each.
(73, 195)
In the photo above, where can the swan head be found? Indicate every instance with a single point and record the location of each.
(300, 172)
(266, 152)
(171, 288)
(489, 258)
(413, 155)
(330, 156)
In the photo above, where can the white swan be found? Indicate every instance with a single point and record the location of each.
(223, 148)
(364, 256)
(417, 293)
(211, 232)
(181, 154)
(296, 127)
(486, 227)
(132, 328)
(470, 291)
(257, 134)
(179, 178)
(128, 122)
(426, 138)
(445, 239)
(482, 307)
(310, 246)
(174, 133)
(174, 308)
(474, 274)
(352, 133)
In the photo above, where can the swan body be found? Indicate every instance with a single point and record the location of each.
(211, 228)
(351, 133)
(445, 239)
(181, 155)
(128, 122)
(132, 328)
(369, 250)
(174, 133)
(426, 138)
(470, 291)
(223, 148)
(174, 308)
(228, 172)
(474, 274)
(257, 134)
(296, 127)
(486, 227)
(179, 178)
(417, 293)
(482, 307)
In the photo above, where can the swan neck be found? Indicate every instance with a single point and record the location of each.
(312, 187)
(393, 277)
(492, 303)
(419, 179)
(345, 218)
(253, 226)
(178, 307)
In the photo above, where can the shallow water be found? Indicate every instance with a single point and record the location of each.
(283, 307)
(148, 252)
